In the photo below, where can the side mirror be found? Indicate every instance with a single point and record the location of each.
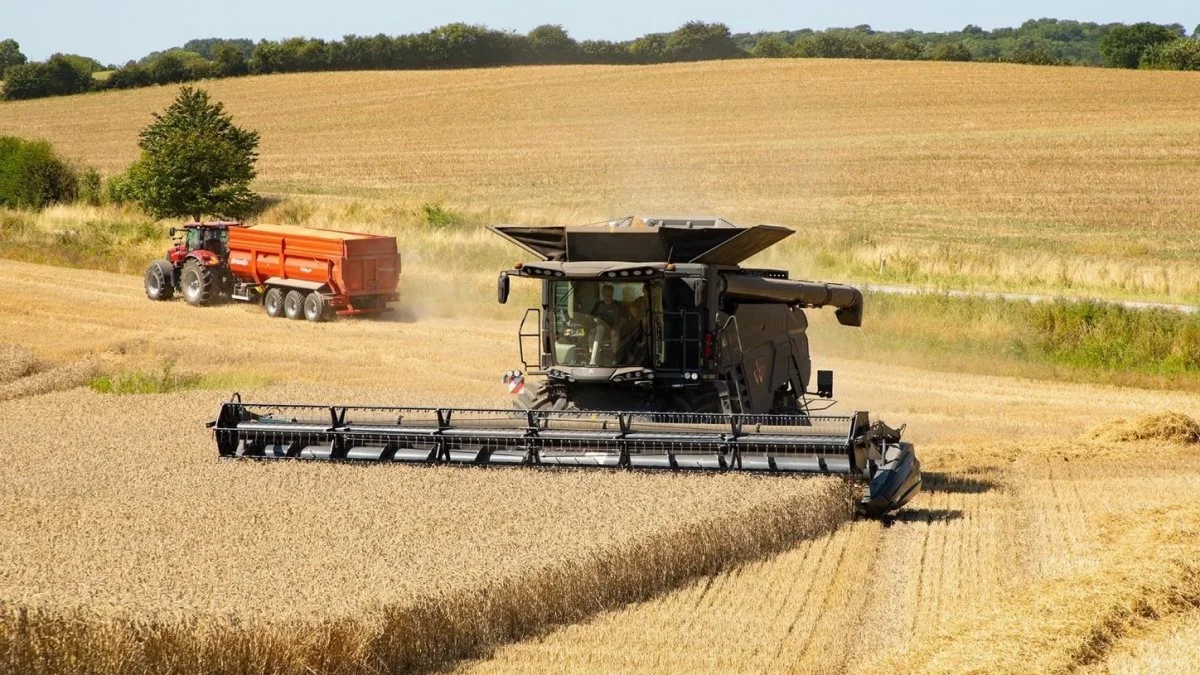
(825, 383)
(502, 289)
(700, 293)
(171, 232)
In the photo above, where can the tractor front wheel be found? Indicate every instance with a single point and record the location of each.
(198, 283)
(160, 280)
(273, 302)
(293, 305)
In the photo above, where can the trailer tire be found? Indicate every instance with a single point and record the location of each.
(315, 307)
(160, 280)
(273, 302)
(198, 283)
(293, 305)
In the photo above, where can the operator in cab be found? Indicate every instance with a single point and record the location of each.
(608, 317)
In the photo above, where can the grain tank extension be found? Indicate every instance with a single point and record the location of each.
(651, 348)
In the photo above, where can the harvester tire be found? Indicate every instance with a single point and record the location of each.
(198, 283)
(293, 305)
(315, 307)
(539, 397)
(160, 280)
(273, 302)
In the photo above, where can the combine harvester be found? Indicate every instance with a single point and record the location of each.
(655, 350)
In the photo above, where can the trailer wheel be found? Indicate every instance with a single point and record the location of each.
(198, 283)
(293, 305)
(273, 302)
(315, 307)
(159, 280)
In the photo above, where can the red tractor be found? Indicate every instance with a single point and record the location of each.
(195, 265)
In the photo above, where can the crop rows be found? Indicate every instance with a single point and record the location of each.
(130, 548)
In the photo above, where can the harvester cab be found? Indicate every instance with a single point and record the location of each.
(653, 348)
(656, 314)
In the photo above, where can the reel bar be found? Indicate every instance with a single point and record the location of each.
(702, 441)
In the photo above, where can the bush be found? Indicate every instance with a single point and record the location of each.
(770, 47)
(1182, 54)
(952, 51)
(122, 188)
(59, 76)
(436, 215)
(91, 187)
(32, 176)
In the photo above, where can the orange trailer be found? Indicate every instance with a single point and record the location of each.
(302, 271)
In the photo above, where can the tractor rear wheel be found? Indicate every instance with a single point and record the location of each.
(315, 307)
(160, 280)
(293, 305)
(198, 283)
(273, 302)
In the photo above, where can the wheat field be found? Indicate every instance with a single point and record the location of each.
(1067, 179)
(1057, 529)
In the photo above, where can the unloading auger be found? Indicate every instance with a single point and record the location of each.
(655, 350)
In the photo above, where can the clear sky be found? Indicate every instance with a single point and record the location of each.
(114, 32)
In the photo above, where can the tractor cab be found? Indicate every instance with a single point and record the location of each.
(211, 237)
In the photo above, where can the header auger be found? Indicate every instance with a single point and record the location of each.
(653, 349)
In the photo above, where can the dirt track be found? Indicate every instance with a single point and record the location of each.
(1027, 540)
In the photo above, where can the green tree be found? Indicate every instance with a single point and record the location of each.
(650, 48)
(696, 41)
(907, 50)
(229, 61)
(769, 47)
(1124, 46)
(952, 51)
(195, 161)
(10, 55)
(552, 44)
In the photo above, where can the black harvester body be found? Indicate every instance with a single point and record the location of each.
(655, 350)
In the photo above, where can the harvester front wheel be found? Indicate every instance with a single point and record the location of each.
(198, 283)
(293, 305)
(315, 307)
(159, 280)
(273, 302)
(541, 397)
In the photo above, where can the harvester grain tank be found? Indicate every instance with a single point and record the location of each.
(297, 272)
(652, 348)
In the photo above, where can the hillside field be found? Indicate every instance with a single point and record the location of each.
(980, 175)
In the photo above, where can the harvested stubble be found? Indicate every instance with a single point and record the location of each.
(15, 362)
(130, 548)
(1171, 427)
(58, 378)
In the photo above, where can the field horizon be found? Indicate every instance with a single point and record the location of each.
(971, 175)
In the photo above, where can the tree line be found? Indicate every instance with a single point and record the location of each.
(459, 45)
